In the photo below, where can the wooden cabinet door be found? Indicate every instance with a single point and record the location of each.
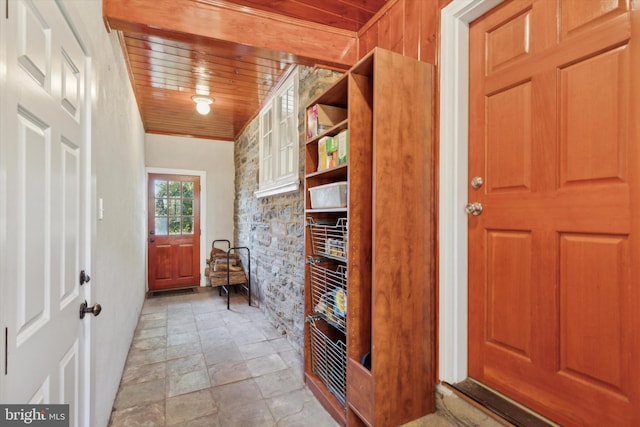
(553, 257)
(174, 231)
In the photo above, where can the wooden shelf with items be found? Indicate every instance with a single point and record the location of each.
(312, 161)
(369, 346)
(326, 286)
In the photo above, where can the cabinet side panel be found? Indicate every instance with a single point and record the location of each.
(403, 240)
(359, 245)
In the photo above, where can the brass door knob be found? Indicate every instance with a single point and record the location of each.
(474, 208)
(84, 309)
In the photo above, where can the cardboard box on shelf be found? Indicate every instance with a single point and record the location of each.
(333, 159)
(321, 117)
(312, 121)
(327, 153)
(332, 145)
(323, 159)
(342, 142)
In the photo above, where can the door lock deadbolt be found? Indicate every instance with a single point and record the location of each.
(477, 182)
(84, 277)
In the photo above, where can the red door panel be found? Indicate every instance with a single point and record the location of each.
(553, 270)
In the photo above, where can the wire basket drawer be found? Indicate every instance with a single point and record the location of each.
(329, 239)
(329, 292)
(329, 362)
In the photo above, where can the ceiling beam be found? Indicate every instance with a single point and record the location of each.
(301, 42)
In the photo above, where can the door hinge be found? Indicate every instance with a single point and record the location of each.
(6, 9)
(6, 351)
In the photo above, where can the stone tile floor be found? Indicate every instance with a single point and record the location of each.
(194, 363)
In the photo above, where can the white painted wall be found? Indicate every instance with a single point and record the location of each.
(119, 240)
(210, 156)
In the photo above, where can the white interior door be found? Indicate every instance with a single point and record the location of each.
(43, 162)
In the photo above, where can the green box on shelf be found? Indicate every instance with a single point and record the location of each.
(323, 156)
(342, 143)
(332, 145)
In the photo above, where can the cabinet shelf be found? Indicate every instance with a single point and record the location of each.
(339, 171)
(332, 131)
(336, 95)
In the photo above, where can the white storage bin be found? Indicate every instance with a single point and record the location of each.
(327, 196)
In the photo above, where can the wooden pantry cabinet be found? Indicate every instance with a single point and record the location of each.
(369, 285)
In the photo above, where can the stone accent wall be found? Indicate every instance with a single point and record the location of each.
(273, 227)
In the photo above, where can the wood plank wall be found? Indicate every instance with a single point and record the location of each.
(409, 27)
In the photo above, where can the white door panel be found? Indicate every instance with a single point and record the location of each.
(31, 205)
(43, 166)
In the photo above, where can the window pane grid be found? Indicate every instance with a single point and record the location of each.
(278, 135)
(287, 134)
(174, 207)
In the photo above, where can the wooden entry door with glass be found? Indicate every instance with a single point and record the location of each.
(174, 231)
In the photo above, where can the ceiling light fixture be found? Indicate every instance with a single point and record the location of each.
(203, 103)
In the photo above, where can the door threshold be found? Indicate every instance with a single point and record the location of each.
(172, 291)
(498, 405)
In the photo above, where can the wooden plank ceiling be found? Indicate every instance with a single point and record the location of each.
(236, 51)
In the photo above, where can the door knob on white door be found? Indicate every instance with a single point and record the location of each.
(84, 308)
(474, 208)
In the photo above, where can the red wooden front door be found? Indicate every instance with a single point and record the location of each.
(174, 231)
(554, 275)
